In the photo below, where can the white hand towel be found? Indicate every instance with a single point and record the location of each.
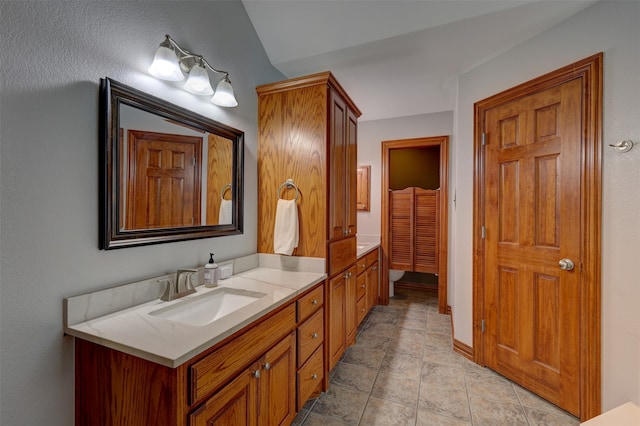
(226, 212)
(285, 233)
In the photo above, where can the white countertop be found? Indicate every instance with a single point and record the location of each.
(364, 247)
(169, 343)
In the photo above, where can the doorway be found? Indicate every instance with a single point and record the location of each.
(388, 147)
(537, 210)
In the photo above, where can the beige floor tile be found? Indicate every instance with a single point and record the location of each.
(446, 401)
(429, 418)
(369, 338)
(489, 412)
(491, 386)
(549, 418)
(401, 365)
(364, 357)
(354, 377)
(380, 412)
(438, 375)
(444, 356)
(439, 339)
(406, 347)
(341, 404)
(395, 388)
(318, 420)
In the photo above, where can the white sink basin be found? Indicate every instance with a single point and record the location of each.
(205, 309)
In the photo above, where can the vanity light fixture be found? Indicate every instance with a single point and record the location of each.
(171, 62)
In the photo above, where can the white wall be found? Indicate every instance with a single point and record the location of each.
(370, 136)
(611, 27)
(53, 54)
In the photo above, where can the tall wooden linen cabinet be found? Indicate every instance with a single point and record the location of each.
(307, 130)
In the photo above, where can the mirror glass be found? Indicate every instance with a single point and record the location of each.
(167, 174)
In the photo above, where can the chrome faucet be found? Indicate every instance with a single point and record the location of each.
(182, 287)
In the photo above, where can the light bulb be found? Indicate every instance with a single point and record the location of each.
(198, 81)
(165, 64)
(224, 94)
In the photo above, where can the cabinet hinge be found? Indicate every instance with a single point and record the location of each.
(484, 139)
(483, 232)
(482, 326)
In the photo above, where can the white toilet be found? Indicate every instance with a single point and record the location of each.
(394, 275)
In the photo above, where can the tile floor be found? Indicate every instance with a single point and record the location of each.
(402, 371)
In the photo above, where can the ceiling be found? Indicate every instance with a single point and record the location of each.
(398, 57)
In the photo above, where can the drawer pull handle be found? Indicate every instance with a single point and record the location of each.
(267, 366)
(314, 376)
(256, 374)
(315, 335)
(314, 302)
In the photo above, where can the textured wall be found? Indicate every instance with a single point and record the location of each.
(53, 54)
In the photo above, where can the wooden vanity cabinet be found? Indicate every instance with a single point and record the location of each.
(343, 323)
(367, 283)
(249, 377)
(310, 340)
(262, 394)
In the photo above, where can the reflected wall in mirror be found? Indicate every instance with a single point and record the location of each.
(167, 174)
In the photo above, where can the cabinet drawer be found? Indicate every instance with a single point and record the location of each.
(361, 309)
(341, 255)
(310, 302)
(310, 336)
(310, 376)
(221, 365)
(371, 258)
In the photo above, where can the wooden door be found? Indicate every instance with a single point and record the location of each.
(372, 286)
(164, 180)
(401, 229)
(336, 331)
(532, 217)
(351, 305)
(427, 231)
(337, 165)
(234, 404)
(351, 174)
(278, 384)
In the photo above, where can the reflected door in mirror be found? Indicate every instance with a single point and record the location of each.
(164, 180)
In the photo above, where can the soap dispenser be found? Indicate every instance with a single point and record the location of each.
(211, 273)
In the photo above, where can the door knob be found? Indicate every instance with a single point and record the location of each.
(566, 264)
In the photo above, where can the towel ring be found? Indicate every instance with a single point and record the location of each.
(224, 189)
(289, 184)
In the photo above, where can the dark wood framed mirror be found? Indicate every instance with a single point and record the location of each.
(166, 173)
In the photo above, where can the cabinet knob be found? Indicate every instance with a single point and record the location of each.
(362, 286)
(345, 232)
(362, 310)
(314, 302)
(315, 335)
(267, 366)
(375, 268)
(256, 374)
(314, 376)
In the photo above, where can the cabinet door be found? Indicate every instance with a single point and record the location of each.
(351, 174)
(278, 383)
(351, 306)
(234, 404)
(372, 286)
(337, 294)
(337, 165)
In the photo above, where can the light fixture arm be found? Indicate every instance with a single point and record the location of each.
(185, 54)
